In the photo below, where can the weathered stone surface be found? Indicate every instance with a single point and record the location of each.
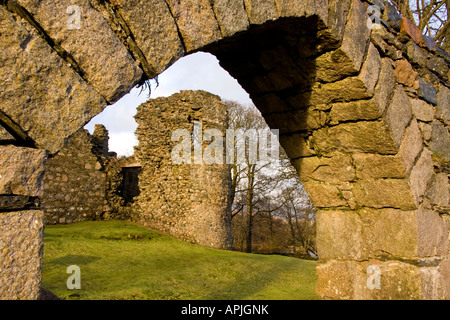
(338, 279)
(375, 166)
(324, 195)
(443, 104)
(48, 81)
(356, 34)
(370, 137)
(438, 65)
(411, 145)
(398, 115)
(333, 66)
(296, 146)
(440, 140)
(352, 111)
(337, 17)
(416, 54)
(438, 190)
(386, 85)
(427, 92)
(371, 68)
(409, 28)
(421, 174)
(154, 31)
(21, 254)
(293, 121)
(444, 269)
(426, 130)
(21, 171)
(382, 237)
(432, 234)
(204, 31)
(289, 8)
(349, 89)
(231, 16)
(339, 235)
(4, 135)
(404, 73)
(335, 169)
(384, 193)
(399, 281)
(422, 110)
(260, 11)
(106, 63)
(349, 280)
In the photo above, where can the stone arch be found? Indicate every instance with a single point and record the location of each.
(361, 113)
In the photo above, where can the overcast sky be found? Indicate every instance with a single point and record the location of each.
(200, 71)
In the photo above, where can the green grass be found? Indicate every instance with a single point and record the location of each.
(121, 260)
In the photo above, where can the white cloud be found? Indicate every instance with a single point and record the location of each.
(199, 71)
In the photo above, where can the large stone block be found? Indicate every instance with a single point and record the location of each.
(405, 73)
(231, 16)
(421, 174)
(422, 110)
(386, 85)
(296, 146)
(432, 234)
(294, 121)
(333, 66)
(371, 68)
(443, 105)
(39, 92)
(324, 195)
(437, 191)
(21, 171)
(356, 34)
(384, 193)
(338, 279)
(21, 254)
(440, 141)
(196, 22)
(154, 31)
(384, 238)
(260, 11)
(348, 137)
(353, 111)
(398, 114)
(337, 17)
(336, 169)
(376, 166)
(290, 8)
(349, 89)
(339, 235)
(411, 145)
(105, 61)
(444, 269)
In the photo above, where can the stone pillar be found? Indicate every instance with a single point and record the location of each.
(21, 222)
(187, 200)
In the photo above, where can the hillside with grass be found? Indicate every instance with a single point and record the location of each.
(121, 260)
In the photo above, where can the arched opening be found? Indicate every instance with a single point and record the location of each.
(349, 119)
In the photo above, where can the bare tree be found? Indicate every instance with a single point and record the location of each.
(431, 17)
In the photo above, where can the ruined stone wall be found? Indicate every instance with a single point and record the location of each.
(189, 201)
(75, 182)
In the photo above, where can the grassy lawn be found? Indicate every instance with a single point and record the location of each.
(121, 260)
